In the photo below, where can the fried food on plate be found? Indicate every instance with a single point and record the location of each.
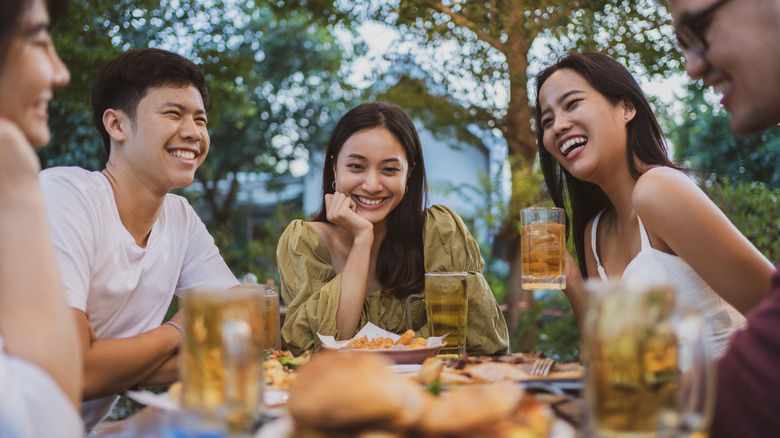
(348, 390)
(469, 408)
(406, 339)
(430, 370)
(496, 372)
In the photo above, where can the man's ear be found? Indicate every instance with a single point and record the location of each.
(117, 124)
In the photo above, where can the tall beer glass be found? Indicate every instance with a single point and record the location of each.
(221, 361)
(648, 367)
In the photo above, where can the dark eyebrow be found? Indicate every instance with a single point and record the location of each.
(35, 29)
(387, 160)
(181, 107)
(562, 98)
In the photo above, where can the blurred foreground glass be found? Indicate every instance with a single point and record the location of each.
(446, 306)
(649, 369)
(543, 248)
(222, 354)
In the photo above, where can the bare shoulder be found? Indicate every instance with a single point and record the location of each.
(663, 188)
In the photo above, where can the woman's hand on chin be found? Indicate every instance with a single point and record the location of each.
(341, 210)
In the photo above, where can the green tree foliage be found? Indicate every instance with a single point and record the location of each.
(550, 327)
(274, 80)
(703, 139)
(755, 209)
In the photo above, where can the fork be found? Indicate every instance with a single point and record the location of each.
(542, 367)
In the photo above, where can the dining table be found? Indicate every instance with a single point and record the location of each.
(162, 419)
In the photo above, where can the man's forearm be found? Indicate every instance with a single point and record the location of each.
(114, 365)
(165, 375)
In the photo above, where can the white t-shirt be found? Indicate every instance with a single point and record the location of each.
(32, 404)
(126, 289)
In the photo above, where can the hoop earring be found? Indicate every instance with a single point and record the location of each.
(406, 189)
(333, 185)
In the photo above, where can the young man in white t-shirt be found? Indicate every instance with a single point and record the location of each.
(124, 245)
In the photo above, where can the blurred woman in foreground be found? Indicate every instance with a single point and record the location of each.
(369, 246)
(40, 358)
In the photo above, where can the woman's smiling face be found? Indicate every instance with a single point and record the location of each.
(30, 73)
(372, 169)
(581, 128)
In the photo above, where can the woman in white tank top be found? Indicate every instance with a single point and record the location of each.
(598, 141)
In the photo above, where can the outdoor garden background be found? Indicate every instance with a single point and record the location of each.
(281, 73)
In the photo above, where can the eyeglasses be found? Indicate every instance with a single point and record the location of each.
(690, 31)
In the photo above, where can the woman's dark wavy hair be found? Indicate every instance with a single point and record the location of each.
(645, 141)
(400, 267)
(11, 14)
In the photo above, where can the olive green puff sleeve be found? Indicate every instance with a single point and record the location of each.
(449, 247)
(309, 286)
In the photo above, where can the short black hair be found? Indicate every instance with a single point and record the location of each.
(124, 81)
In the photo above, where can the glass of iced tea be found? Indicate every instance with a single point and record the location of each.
(543, 248)
(222, 354)
(649, 371)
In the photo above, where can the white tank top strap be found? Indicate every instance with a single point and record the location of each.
(643, 235)
(602, 272)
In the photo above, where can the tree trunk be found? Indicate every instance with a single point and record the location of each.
(521, 146)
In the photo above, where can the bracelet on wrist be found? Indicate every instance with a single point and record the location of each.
(177, 326)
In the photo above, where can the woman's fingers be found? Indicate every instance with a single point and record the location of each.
(341, 210)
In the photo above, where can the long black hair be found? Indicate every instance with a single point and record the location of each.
(400, 266)
(644, 141)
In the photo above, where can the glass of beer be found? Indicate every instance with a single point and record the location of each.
(649, 372)
(222, 355)
(446, 308)
(543, 248)
(271, 337)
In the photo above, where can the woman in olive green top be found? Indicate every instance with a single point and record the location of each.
(369, 246)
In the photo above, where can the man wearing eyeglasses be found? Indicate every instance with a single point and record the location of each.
(734, 47)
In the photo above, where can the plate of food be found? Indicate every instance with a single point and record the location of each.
(374, 398)
(401, 349)
(516, 367)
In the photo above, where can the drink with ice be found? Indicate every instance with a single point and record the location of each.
(542, 248)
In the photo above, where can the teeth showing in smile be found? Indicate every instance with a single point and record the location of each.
(369, 201)
(719, 88)
(573, 143)
(187, 155)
